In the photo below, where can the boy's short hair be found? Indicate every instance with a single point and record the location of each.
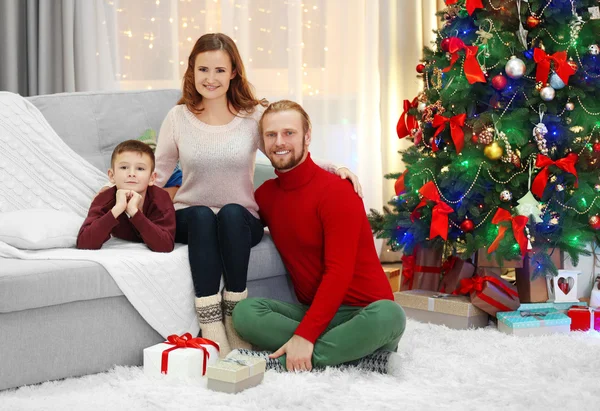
(286, 105)
(135, 146)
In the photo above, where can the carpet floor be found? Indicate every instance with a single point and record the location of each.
(443, 369)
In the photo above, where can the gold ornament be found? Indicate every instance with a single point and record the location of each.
(493, 151)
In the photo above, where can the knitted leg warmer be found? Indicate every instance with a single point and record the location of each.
(210, 318)
(230, 300)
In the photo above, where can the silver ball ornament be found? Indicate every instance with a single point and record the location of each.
(570, 106)
(597, 188)
(547, 93)
(515, 68)
(556, 82)
(421, 107)
(505, 196)
(594, 49)
(560, 187)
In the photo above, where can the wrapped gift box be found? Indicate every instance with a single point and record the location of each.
(393, 275)
(458, 270)
(534, 290)
(584, 318)
(490, 293)
(235, 373)
(454, 311)
(180, 357)
(428, 269)
(533, 321)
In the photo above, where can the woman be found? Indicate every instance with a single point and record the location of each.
(213, 133)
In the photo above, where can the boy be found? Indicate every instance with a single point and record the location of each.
(134, 209)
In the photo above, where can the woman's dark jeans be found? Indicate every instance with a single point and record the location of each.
(218, 243)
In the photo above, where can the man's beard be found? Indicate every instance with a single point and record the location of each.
(291, 162)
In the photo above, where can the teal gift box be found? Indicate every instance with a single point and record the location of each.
(530, 319)
(562, 307)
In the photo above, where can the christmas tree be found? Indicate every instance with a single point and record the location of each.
(506, 135)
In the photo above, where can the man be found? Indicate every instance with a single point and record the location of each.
(320, 228)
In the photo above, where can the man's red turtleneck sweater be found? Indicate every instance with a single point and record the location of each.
(320, 228)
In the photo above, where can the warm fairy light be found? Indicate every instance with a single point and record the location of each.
(171, 20)
(189, 39)
(152, 19)
(150, 45)
(184, 25)
(326, 48)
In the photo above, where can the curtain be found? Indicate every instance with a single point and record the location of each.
(56, 46)
(405, 28)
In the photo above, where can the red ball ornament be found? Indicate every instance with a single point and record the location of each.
(467, 225)
(445, 44)
(533, 21)
(499, 82)
(596, 147)
(595, 222)
(475, 138)
(420, 68)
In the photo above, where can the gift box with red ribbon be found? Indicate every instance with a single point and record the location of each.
(181, 357)
(422, 270)
(584, 318)
(454, 270)
(490, 293)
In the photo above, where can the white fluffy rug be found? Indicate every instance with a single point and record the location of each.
(444, 369)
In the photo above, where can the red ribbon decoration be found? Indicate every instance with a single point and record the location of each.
(456, 131)
(408, 270)
(407, 122)
(471, 5)
(541, 180)
(399, 186)
(475, 284)
(472, 69)
(518, 225)
(185, 341)
(561, 65)
(439, 214)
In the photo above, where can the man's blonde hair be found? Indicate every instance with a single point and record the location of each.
(286, 105)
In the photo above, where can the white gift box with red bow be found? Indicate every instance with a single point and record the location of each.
(180, 357)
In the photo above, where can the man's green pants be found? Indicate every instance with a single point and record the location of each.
(353, 333)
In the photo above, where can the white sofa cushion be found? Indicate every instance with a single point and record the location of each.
(38, 229)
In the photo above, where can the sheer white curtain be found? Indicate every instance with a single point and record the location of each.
(321, 53)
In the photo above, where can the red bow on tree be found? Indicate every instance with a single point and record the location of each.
(561, 65)
(407, 122)
(541, 180)
(472, 69)
(399, 186)
(518, 225)
(471, 5)
(439, 214)
(456, 131)
(186, 341)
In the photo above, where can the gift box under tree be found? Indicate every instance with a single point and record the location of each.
(584, 318)
(453, 271)
(533, 321)
(454, 311)
(422, 270)
(531, 278)
(490, 293)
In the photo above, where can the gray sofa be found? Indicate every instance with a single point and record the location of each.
(68, 318)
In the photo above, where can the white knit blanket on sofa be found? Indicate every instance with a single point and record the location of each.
(39, 170)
